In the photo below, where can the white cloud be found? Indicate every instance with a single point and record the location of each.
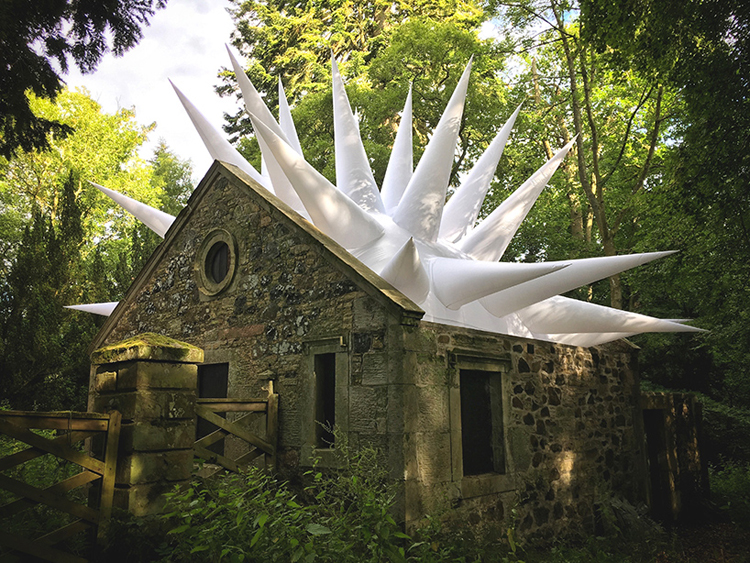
(184, 43)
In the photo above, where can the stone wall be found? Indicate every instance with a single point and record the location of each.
(573, 430)
(570, 415)
(294, 292)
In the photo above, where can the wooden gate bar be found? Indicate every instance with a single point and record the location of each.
(207, 409)
(17, 425)
(55, 448)
(58, 488)
(33, 453)
(232, 429)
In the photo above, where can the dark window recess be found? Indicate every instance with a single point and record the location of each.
(213, 380)
(483, 446)
(217, 262)
(325, 399)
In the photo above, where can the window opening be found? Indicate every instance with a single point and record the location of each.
(217, 262)
(325, 399)
(213, 382)
(483, 446)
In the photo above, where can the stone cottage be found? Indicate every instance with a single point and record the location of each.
(467, 421)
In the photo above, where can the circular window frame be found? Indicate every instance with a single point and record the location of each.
(207, 285)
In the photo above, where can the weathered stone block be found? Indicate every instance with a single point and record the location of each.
(374, 369)
(144, 405)
(157, 435)
(105, 381)
(157, 375)
(148, 346)
(152, 467)
(433, 456)
(367, 409)
(433, 408)
(143, 500)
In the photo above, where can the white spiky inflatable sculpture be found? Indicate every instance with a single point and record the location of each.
(432, 251)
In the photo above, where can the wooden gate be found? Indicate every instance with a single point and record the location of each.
(207, 409)
(105, 429)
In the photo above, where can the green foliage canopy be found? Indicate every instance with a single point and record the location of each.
(36, 36)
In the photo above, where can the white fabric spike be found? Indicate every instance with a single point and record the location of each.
(457, 282)
(330, 210)
(253, 101)
(104, 309)
(578, 273)
(353, 173)
(558, 315)
(255, 105)
(401, 164)
(154, 219)
(286, 122)
(492, 236)
(421, 206)
(585, 339)
(406, 272)
(218, 147)
(463, 207)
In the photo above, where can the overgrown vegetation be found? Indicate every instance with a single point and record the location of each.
(345, 516)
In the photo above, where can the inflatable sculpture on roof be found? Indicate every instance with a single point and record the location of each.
(432, 251)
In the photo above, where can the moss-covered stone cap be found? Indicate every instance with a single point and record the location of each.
(148, 346)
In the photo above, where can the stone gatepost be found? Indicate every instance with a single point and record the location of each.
(151, 380)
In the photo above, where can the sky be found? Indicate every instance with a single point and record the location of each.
(184, 43)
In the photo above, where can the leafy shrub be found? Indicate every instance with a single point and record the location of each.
(339, 516)
(730, 489)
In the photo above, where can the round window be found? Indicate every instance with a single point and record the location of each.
(216, 262)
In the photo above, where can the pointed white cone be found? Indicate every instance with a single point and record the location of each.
(406, 273)
(578, 273)
(584, 340)
(401, 164)
(255, 105)
(330, 210)
(491, 237)
(558, 315)
(218, 147)
(457, 282)
(253, 101)
(463, 207)
(421, 206)
(353, 173)
(286, 122)
(154, 219)
(104, 309)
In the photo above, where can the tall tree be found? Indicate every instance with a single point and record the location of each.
(617, 120)
(37, 36)
(382, 48)
(172, 177)
(102, 149)
(43, 360)
(702, 198)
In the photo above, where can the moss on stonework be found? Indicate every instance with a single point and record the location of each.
(148, 346)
